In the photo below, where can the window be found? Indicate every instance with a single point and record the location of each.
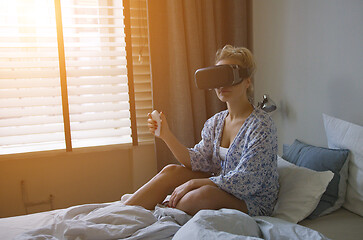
(141, 67)
(96, 100)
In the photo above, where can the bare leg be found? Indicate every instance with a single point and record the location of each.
(156, 190)
(209, 197)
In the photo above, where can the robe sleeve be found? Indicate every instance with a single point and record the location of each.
(201, 155)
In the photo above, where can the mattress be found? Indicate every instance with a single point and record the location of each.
(341, 224)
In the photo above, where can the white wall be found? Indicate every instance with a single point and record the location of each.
(309, 58)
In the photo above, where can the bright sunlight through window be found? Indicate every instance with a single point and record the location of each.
(31, 115)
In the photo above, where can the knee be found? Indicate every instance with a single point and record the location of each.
(201, 198)
(167, 176)
(171, 169)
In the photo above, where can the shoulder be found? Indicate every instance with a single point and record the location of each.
(260, 124)
(261, 119)
(261, 129)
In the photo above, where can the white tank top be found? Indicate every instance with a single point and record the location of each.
(223, 153)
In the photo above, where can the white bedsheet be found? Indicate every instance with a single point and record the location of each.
(117, 221)
(232, 224)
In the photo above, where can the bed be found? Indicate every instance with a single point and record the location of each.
(117, 221)
(341, 224)
(320, 197)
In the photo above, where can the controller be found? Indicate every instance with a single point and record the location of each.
(155, 115)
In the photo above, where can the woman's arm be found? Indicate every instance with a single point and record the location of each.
(180, 152)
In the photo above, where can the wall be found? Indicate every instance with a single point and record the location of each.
(309, 58)
(89, 175)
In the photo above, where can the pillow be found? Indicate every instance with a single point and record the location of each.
(300, 190)
(342, 134)
(322, 159)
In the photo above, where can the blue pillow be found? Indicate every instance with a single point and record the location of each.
(321, 159)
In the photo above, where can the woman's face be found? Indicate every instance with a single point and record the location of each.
(237, 92)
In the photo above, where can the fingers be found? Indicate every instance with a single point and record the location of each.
(175, 197)
(177, 194)
(151, 122)
(152, 125)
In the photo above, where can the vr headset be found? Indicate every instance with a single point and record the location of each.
(220, 76)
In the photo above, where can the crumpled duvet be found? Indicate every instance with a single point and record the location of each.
(117, 221)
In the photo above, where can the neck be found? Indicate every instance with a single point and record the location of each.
(239, 110)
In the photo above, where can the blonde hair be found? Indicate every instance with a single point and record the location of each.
(245, 59)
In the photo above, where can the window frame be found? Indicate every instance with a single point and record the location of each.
(64, 87)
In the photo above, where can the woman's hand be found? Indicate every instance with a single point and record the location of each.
(183, 189)
(180, 191)
(180, 152)
(152, 125)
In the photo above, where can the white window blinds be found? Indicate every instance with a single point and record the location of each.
(31, 116)
(141, 67)
(94, 42)
(30, 96)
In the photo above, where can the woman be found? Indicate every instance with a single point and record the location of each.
(233, 166)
